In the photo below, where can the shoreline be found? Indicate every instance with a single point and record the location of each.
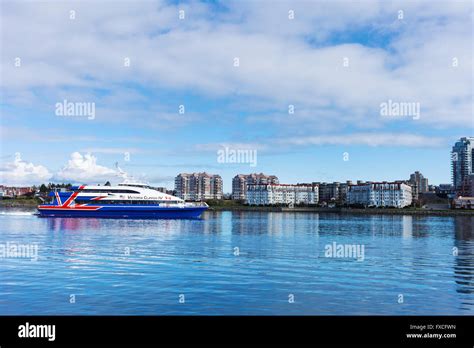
(368, 211)
(20, 203)
(30, 204)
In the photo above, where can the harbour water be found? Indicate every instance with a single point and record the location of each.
(238, 263)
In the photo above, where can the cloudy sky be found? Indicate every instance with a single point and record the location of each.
(300, 82)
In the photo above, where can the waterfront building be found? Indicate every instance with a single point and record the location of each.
(380, 194)
(463, 203)
(181, 186)
(335, 192)
(418, 183)
(198, 186)
(13, 191)
(328, 192)
(284, 194)
(240, 183)
(343, 189)
(414, 188)
(445, 190)
(467, 187)
(462, 163)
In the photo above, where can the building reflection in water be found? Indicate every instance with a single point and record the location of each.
(279, 226)
(76, 237)
(274, 223)
(407, 227)
(464, 261)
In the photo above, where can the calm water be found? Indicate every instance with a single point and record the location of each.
(279, 254)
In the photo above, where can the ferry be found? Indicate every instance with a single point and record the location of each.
(126, 200)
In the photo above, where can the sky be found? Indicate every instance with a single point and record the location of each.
(304, 86)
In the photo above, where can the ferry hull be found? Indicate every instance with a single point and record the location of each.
(131, 213)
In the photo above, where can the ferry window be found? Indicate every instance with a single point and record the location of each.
(108, 191)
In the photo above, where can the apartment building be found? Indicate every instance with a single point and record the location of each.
(240, 183)
(380, 194)
(285, 194)
(12, 191)
(333, 192)
(198, 186)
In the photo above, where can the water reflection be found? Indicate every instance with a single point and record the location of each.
(274, 223)
(279, 252)
(407, 226)
(464, 227)
(464, 258)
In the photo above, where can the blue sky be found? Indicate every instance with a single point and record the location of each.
(336, 62)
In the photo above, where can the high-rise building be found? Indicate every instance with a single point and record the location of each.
(240, 183)
(462, 164)
(198, 186)
(420, 181)
(181, 186)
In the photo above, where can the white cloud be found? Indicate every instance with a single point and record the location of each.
(370, 139)
(112, 150)
(282, 61)
(20, 172)
(84, 169)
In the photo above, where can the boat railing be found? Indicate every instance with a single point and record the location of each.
(185, 204)
(196, 204)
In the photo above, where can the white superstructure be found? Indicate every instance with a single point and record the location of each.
(125, 193)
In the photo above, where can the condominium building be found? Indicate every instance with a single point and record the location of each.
(12, 191)
(462, 163)
(414, 188)
(381, 194)
(418, 183)
(343, 189)
(333, 192)
(240, 183)
(467, 187)
(198, 186)
(270, 194)
(328, 191)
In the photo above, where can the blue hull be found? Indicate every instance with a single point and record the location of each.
(130, 213)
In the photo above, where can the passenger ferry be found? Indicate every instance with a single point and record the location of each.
(127, 200)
